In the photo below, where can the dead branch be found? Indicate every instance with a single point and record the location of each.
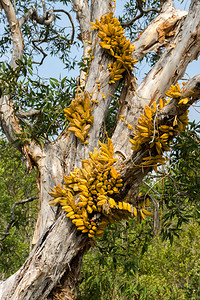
(13, 218)
(28, 114)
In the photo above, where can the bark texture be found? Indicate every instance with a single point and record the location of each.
(53, 266)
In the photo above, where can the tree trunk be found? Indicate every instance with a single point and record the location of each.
(53, 266)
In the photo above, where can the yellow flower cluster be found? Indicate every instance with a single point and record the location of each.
(156, 138)
(88, 192)
(116, 44)
(174, 91)
(79, 116)
(144, 202)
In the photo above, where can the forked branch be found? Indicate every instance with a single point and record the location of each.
(13, 217)
(142, 12)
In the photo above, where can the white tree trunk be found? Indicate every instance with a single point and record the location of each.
(53, 266)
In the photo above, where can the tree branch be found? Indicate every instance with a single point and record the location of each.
(170, 68)
(40, 50)
(151, 188)
(8, 120)
(156, 219)
(156, 209)
(83, 15)
(32, 14)
(71, 21)
(44, 9)
(159, 33)
(15, 31)
(142, 12)
(190, 90)
(12, 222)
(165, 4)
(26, 16)
(27, 114)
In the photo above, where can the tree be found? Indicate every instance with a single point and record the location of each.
(144, 125)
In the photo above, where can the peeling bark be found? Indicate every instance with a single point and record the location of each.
(159, 33)
(48, 264)
(16, 34)
(53, 266)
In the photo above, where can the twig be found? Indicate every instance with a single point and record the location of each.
(71, 21)
(44, 9)
(40, 50)
(142, 12)
(151, 188)
(11, 224)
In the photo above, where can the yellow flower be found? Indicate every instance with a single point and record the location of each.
(174, 91)
(184, 101)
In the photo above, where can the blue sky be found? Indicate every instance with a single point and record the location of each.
(56, 68)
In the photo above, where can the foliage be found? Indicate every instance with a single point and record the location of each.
(48, 98)
(15, 186)
(25, 84)
(128, 262)
(181, 192)
(119, 268)
(40, 41)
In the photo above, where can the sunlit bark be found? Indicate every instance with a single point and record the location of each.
(53, 266)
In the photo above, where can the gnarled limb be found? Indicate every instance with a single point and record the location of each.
(32, 14)
(159, 33)
(71, 21)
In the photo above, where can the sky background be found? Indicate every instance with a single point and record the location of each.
(53, 67)
(56, 68)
